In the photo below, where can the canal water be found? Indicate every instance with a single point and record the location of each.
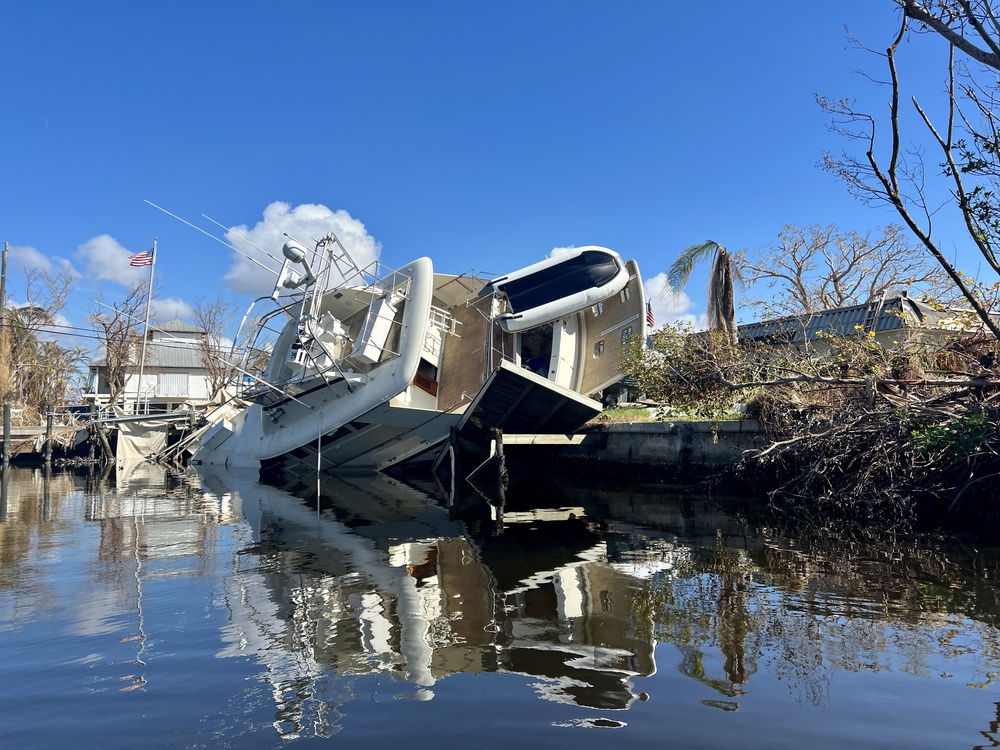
(184, 610)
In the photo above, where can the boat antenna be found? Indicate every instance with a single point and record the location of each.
(209, 234)
(241, 237)
(326, 240)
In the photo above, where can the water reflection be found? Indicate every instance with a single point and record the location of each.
(378, 577)
(598, 600)
(381, 578)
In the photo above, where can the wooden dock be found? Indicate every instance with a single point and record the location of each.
(40, 443)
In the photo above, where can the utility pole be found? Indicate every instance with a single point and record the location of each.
(5, 374)
(4, 333)
(3, 284)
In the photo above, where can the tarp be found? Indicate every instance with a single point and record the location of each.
(137, 442)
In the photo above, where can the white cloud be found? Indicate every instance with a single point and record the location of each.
(30, 259)
(670, 306)
(65, 333)
(166, 309)
(304, 223)
(106, 260)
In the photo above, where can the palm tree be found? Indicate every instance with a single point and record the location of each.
(721, 294)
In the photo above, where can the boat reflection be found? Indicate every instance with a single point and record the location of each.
(361, 590)
(379, 578)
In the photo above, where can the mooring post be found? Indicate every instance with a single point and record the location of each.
(47, 493)
(6, 434)
(498, 451)
(4, 475)
(500, 461)
(48, 435)
(109, 455)
(454, 453)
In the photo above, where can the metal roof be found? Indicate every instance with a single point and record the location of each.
(895, 314)
(178, 326)
(181, 355)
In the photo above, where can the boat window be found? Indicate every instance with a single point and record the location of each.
(624, 294)
(426, 377)
(627, 332)
(598, 309)
(598, 348)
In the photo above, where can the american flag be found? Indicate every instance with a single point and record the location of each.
(145, 258)
(649, 315)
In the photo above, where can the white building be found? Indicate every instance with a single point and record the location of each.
(173, 376)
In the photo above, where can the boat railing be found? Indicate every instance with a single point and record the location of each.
(266, 330)
(489, 306)
(320, 351)
(444, 321)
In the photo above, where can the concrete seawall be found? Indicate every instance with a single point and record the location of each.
(667, 449)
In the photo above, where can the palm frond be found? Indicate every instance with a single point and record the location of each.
(680, 271)
(721, 293)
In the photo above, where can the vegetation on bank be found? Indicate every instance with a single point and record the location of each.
(857, 430)
(861, 431)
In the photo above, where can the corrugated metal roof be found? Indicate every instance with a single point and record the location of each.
(173, 354)
(896, 313)
(178, 326)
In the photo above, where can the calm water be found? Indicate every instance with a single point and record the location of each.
(204, 611)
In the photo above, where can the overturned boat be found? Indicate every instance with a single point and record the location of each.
(368, 368)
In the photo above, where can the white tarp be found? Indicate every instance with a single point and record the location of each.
(138, 441)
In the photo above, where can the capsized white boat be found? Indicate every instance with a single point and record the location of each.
(369, 368)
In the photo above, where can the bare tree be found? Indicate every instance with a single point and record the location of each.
(41, 370)
(814, 268)
(894, 174)
(214, 318)
(118, 328)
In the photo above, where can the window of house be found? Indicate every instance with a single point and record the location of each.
(627, 332)
(598, 348)
(598, 309)
(625, 294)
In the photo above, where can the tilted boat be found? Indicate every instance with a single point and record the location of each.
(370, 367)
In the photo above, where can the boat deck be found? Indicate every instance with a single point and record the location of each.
(465, 359)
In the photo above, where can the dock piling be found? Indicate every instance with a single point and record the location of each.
(6, 434)
(49, 416)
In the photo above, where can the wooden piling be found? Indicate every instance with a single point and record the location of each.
(4, 478)
(49, 418)
(109, 455)
(6, 434)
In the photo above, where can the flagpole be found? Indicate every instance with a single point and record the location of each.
(145, 332)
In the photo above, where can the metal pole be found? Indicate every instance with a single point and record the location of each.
(3, 279)
(145, 331)
(3, 332)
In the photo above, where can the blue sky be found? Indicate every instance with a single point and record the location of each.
(484, 135)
